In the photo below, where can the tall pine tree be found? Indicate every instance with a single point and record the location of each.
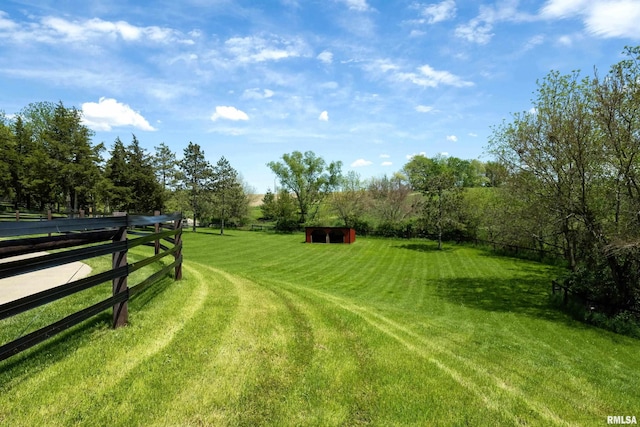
(195, 178)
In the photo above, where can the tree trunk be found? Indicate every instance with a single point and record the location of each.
(222, 216)
(439, 222)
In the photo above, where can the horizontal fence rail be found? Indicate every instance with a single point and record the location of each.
(88, 238)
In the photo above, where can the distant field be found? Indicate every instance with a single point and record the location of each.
(267, 330)
(255, 199)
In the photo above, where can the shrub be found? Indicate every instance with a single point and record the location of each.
(286, 225)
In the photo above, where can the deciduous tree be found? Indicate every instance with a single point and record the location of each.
(309, 178)
(349, 201)
(441, 186)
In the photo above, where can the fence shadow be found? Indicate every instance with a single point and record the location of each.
(141, 299)
(25, 365)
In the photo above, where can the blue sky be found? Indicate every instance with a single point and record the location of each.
(367, 82)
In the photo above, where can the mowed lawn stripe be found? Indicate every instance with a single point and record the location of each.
(495, 308)
(89, 371)
(259, 373)
(267, 330)
(252, 365)
(450, 363)
(152, 389)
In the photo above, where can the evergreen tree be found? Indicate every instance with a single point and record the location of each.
(164, 163)
(7, 161)
(39, 174)
(116, 194)
(195, 178)
(20, 171)
(226, 189)
(268, 206)
(146, 191)
(73, 159)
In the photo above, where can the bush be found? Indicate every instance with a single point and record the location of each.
(362, 227)
(285, 225)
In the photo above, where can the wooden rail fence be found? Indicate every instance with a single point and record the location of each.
(97, 236)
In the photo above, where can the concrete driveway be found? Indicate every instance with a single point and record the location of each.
(22, 285)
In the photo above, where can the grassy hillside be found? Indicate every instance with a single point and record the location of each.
(268, 330)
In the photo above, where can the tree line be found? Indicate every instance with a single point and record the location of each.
(425, 198)
(49, 161)
(573, 184)
(565, 180)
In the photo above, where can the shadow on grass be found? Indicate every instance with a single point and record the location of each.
(141, 299)
(24, 365)
(523, 255)
(209, 231)
(528, 296)
(27, 364)
(426, 247)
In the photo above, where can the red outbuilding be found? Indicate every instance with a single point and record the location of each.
(330, 235)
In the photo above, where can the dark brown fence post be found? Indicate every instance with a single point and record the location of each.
(119, 259)
(157, 230)
(178, 242)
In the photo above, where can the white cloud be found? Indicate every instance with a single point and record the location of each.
(385, 156)
(534, 41)
(472, 134)
(96, 28)
(88, 33)
(429, 77)
(443, 77)
(382, 65)
(614, 19)
(359, 5)
(479, 29)
(7, 24)
(452, 138)
(324, 116)
(606, 18)
(386, 164)
(329, 85)
(326, 57)
(411, 156)
(361, 163)
(108, 113)
(563, 8)
(424, 109)
(256, 93)
(476, 31)
(229, 113)
(444, 154)
(438, 12)
(565, 40)
(262, 49)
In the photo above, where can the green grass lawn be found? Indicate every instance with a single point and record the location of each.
(267, 330)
